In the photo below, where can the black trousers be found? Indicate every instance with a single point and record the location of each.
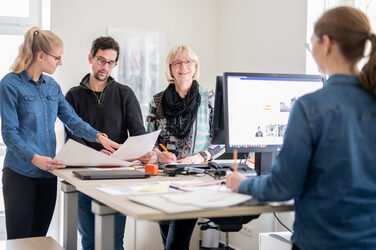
(295, 247)
(29, 204)
(176, 234)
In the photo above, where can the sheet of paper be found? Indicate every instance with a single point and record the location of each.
(143, 189)
(190, 201)
(77, 154)
(207, 198)
(136, 146)
(157, 202)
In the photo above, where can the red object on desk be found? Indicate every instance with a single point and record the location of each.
(151, 169)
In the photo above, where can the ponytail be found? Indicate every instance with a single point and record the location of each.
(367, 76)
(35, 40)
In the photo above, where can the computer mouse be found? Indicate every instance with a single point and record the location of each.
(215, 165)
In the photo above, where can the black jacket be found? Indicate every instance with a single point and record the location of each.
(117, 114)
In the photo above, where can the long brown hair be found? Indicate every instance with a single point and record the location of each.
(350, 29)
(35, 40)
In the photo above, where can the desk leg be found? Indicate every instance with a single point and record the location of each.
(104, 226)
(70, 216)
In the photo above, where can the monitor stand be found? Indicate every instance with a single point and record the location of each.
(244, 170)
(264, 162)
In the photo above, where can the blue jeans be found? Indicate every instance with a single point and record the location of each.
(86, 224)
(176, 234)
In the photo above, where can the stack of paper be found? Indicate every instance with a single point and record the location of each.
(77, 154)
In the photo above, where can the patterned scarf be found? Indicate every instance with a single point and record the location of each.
(181, 112)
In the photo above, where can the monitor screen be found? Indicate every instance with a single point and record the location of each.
(257, 108)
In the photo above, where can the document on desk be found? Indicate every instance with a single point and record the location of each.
(77, 154)
(136, 146)
(207, 198)
(191, 201)
(139, 189)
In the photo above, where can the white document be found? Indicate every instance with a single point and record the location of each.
(207, 198)
(136, 146)
(77, 154)
(157, 202)
(191, 201)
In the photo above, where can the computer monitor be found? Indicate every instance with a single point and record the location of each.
(219, 134)
(257, 108)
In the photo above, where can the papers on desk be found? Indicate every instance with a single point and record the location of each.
(136, 146)
(191, 201)
(77, 154)
(140, 189)
(207, 199)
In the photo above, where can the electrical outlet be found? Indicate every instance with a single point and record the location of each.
(247, 230)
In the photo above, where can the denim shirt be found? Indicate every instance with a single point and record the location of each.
(28, 114)
(328, 166)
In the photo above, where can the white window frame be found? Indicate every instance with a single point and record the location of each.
(11, 25)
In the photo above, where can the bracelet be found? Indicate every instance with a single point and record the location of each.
(204, 155)
(101, 134)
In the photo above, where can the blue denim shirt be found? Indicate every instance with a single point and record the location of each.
(28, 114)
(328, 165)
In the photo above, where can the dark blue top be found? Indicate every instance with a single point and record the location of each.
(28, 114)
(328, 165)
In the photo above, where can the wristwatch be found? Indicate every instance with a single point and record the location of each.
(101, 134)
(204, 155)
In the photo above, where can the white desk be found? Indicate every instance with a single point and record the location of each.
(108, 205)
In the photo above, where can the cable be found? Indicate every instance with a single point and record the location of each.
(282, 223)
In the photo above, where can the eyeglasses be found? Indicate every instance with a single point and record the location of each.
(57, 58)
(101, 61)
(181, 62)
(309, 46)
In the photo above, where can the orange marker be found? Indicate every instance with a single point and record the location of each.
(163, 147)
(235, 156)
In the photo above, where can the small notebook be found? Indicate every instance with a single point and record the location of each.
(110, 174)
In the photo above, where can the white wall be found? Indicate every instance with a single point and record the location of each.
(78, 23)
(227, 35)
(265, 36)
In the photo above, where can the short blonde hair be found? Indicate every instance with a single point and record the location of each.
(35, 40)
(181, 51)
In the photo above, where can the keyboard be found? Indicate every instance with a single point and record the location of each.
(241, 168)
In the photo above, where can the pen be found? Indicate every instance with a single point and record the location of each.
(174, 187)
(163, 147)
(235, 156)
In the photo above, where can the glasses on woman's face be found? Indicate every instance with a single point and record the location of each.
(309, 46)
(102, 61)
(179, 63)
(57, 58)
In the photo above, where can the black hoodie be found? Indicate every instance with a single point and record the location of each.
(115, 111)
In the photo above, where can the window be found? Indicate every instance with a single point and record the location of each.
(316, 7)
(16, 17)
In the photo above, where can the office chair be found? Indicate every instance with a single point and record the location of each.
(227, 224)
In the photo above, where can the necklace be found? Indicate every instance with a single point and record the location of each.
(98, 98)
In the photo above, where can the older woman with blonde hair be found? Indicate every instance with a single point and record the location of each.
(30, 102)
(183, 111)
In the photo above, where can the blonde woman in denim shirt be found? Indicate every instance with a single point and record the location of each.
(327, 163)
(30, 102)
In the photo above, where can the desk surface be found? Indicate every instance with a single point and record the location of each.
(34, 243)
(142, 212)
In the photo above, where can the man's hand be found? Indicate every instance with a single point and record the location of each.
(149, 158)
(106, 152)
(46, 163)
(108, 144)
(233, 180)
(193, 159)
(167, 158)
